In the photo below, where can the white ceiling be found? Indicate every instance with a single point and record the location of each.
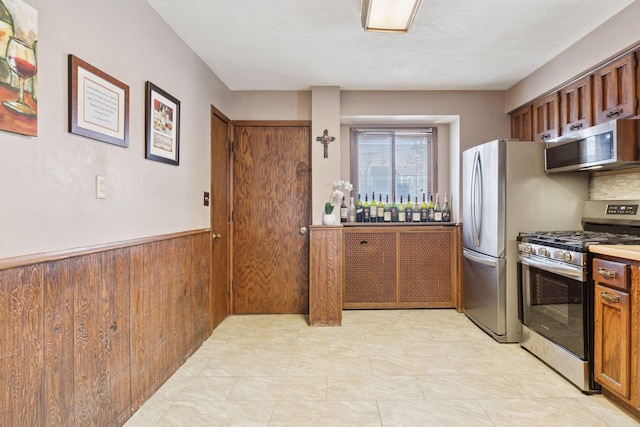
(453, 44)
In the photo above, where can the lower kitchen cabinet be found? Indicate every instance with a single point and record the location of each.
(325, 276)
(401, 267)
(617, 329)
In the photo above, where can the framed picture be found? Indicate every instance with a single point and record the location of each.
(98, 104)
(18, 68)
(162, 126)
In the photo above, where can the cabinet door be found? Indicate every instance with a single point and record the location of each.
(426, 268)
(369, 268)
(612, 338)
(521, 124)
(546, 117)
(575, 106)
(615, 89)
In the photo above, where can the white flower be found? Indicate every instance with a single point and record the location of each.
(337, 194)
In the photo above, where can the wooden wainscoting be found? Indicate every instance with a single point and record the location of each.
(88, 335)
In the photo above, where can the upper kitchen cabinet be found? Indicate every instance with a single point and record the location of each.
(615, 89)
(546, 117)
(521, 124)
(576, 110)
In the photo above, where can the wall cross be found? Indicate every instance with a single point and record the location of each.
(325, 139)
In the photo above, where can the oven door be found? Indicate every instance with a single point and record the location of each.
(553, 302)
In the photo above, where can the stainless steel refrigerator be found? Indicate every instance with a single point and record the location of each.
(505, 190)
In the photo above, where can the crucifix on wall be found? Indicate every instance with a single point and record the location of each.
(325, 139)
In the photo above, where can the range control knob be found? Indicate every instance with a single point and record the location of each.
(543, 251)
(523, 247)
(563, 255)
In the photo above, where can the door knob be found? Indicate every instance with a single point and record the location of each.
(303, 230)
(216, 236)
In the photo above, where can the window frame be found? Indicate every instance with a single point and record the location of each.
(433, 155)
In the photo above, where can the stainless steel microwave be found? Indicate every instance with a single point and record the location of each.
(611, 145)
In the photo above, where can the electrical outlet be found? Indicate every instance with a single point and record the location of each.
(101, 187)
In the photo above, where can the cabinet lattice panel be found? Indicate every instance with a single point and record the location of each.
(370, 267)
(425, 267)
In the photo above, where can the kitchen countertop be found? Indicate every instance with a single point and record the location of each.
(631, 252)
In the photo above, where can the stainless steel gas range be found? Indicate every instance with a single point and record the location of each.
(555, 288)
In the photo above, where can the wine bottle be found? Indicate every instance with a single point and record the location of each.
(373, 214)
(394, 210)
(344, 211)
(6, 32)
(401, 214)
(365, 209)
(351, 214)
(387, 211)
(359, 210)
(446, 212)
(380, 209)
(431, 210)
(408, 209)
(437, 210)
(416, 212)
(424, 214)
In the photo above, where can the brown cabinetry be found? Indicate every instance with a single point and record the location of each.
(616, 324)
(521, 124)
(546, 117)
(400, 267)
(576, 110)
(325, 276)
(615, 89)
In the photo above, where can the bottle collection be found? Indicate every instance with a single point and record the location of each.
(393, 212)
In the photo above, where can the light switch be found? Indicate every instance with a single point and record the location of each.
(101, 187)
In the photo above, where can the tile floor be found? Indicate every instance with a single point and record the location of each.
(381, 368)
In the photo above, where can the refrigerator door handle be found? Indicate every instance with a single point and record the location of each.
(475, 175)
(489, 262)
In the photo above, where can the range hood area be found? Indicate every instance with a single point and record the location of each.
(607, 146)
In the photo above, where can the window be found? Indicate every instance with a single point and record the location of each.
(394, 162)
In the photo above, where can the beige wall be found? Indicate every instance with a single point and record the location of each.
(464, 118)
(47, 190)
(616, 35)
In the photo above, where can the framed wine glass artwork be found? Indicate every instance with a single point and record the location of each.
(98, 104)
(18, 67)
(162, 126)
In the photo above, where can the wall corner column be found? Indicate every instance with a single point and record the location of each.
(325, 114)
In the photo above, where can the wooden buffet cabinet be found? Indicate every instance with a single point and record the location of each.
(382, 266)
(616, 276)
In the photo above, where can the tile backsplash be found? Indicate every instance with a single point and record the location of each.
(614, 187)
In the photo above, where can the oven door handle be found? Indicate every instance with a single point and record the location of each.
(563, 271)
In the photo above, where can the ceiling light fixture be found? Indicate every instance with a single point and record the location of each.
(391, 16)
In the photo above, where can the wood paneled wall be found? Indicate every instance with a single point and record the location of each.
(87, 336)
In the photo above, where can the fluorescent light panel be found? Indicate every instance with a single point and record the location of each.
(393, 16)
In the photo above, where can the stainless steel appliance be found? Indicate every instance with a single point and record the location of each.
(505, 190)
(610, 145)
(556, 294)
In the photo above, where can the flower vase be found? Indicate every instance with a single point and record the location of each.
(328, 219)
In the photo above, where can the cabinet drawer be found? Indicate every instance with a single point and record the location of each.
(611, 273)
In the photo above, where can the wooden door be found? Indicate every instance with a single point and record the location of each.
(220, 218)
(576, 106)
(271, 186)
(615, 89)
